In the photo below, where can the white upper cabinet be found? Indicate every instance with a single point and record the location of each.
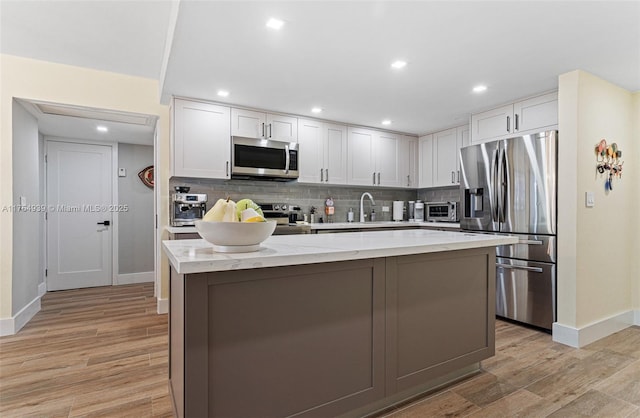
(408, 161)
(445, 152)
(361, 165)
(322, 152)
(254, 124)
(521, 118)
(425, 149)
(373, 158)
(440, 157)
(201, 140)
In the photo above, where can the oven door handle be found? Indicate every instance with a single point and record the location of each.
(286, 159)
(512, 267)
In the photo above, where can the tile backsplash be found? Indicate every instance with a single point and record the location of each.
(308, 195)
(303, 195)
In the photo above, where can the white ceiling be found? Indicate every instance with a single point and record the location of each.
(337, 54)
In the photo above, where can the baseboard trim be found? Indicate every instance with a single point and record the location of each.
(580, 337)
(131, 278)
(10, 326)
(163, 306)
(42, 289)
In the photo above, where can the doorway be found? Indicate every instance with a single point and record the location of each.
(79, 215)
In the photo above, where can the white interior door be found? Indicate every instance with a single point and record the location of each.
(79, 201)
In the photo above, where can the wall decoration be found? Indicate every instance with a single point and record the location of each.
(608, 162)
(146, 176)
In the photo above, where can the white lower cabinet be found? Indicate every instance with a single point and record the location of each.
(201, 145)
(322, 152)
(520, 118)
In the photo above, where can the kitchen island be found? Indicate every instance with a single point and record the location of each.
(325, 325)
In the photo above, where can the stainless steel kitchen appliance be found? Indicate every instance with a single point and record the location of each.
(187, 208)
(509, 187)
(286, 215)
(441, 211)
(263, 158)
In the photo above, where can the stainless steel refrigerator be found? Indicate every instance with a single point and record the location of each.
(509, 187)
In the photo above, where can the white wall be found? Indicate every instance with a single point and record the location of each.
(27, 270)
(45, 81)
(597, 265)
(135, 229)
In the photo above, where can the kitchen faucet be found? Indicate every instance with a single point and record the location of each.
(373, 203)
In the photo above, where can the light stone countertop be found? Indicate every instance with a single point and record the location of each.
(344, 225)
(198, 256)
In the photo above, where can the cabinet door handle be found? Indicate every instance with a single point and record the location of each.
(378, 178)
(263, 135)
(453, 177)
(326, 174)
(408, 181)
(458, 176)
(374, 178)
(227, 169)
(269, 130)
(517, 124)
(321, 175)
(508, 123)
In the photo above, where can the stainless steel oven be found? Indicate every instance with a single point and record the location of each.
(263, 158)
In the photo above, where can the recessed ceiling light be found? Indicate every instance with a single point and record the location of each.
(386, 122)
(316, 110)
(102, 129)
(398, 64)
(274, 23)
(223, 93)
(479, 89)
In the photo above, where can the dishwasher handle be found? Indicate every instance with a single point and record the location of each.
(512, 267)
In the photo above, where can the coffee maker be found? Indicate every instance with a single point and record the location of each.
(187, 207)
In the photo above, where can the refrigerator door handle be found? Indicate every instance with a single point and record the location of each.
(512, 267)
(503, 187)
(495, 210)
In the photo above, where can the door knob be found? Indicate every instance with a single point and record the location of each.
(105, 223)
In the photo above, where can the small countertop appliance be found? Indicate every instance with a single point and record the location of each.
(187, 207)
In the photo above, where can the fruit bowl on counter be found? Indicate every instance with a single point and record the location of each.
(235, 227)
(235, 237)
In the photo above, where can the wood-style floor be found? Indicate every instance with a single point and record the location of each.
(103, 352)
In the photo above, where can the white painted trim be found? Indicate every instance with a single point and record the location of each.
(163, 306)
(580, 337)
(115, 225)
(10, 326)
(42, 289)
(636, 319)
(171, 28)
(130, 278)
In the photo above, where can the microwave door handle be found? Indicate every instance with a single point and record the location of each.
(286, 159)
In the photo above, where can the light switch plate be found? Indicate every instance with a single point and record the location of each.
(385, 208)
(122, 172)
(23, 201)
(589, 199)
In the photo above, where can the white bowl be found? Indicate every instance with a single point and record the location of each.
(235, 237)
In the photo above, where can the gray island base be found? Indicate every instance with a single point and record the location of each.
(324, 335)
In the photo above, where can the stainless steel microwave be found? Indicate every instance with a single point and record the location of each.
(263, 158)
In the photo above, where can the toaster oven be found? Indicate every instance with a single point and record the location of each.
(441, 211)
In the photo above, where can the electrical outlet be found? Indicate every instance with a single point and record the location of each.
(122, 172)
(589, 199)
(385, 208)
